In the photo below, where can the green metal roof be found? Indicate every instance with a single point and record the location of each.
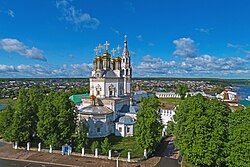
(77, 99)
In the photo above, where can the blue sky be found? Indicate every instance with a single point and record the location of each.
(195, 38)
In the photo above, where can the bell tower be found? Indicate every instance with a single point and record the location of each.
(126, 68)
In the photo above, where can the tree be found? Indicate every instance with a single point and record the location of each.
(80, 137)
(149, 127)
(6, 117)
(57, 122)
(238, 148)
(201, 130)
(21, 127)
(182, 90)
(170, 127)
(106, 146)
(94, 145)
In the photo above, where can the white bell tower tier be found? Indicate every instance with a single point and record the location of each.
(126, 68)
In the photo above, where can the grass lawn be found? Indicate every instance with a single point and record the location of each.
(7, 101)
(123, 145)
(170, 101)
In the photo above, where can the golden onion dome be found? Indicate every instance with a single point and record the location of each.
(131, 99)
(92, 97)
(99, 58)
(95, 60)
(118, 59)
(106, 55)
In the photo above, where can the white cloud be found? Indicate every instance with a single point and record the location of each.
(79, 19)
(200, 66)
(204, 30)
(153, 66)
(8, 12)
(5, 68)
(185, 47)
(151, 44)
(139, 37)
(115, 31)
(38, 70)
(11, 13)
(13, 45)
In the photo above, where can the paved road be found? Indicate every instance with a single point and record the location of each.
(13, 163)
(166, 161)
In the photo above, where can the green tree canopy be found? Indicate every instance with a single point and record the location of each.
(201, 130)
(182, 90)
(238, 146)
(149, 127)
(6, 117)
(57, 121)
(80, 137)
(105, 146)
(94, 145)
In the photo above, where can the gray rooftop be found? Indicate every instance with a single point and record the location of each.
(95, 110)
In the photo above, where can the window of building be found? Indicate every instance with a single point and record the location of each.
(110, 93)
(98, 130)
(98, 92)
(128, 129)
(120, 129)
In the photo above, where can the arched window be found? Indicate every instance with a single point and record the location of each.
(111, 90)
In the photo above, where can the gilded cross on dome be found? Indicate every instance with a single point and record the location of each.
(96, 50)
(106, 46)
(100, 48)
(118, 50)
(113, 53)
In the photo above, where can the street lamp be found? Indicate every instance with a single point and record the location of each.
(117, 162)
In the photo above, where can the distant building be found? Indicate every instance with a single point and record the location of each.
(229, 96)
(167, 95)
(138, 95)
(167, 114)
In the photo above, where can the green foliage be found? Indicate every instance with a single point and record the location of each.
(106, 146)
(6, 117)
(94, 145)
(182, 90)
(80, 137)
(149, 127)
(170, 127)
(56, 120)
(201, 130)
(238, 146)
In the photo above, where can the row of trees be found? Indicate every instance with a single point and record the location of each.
(38, 117)
(209, 134)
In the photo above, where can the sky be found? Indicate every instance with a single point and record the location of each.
(166, 38)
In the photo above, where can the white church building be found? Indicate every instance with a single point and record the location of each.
(110, 107)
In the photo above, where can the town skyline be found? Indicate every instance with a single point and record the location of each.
(166, 39)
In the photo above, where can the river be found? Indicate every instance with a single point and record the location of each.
(2, 106)
(243, 92)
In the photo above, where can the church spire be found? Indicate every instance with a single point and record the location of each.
(125, 50)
